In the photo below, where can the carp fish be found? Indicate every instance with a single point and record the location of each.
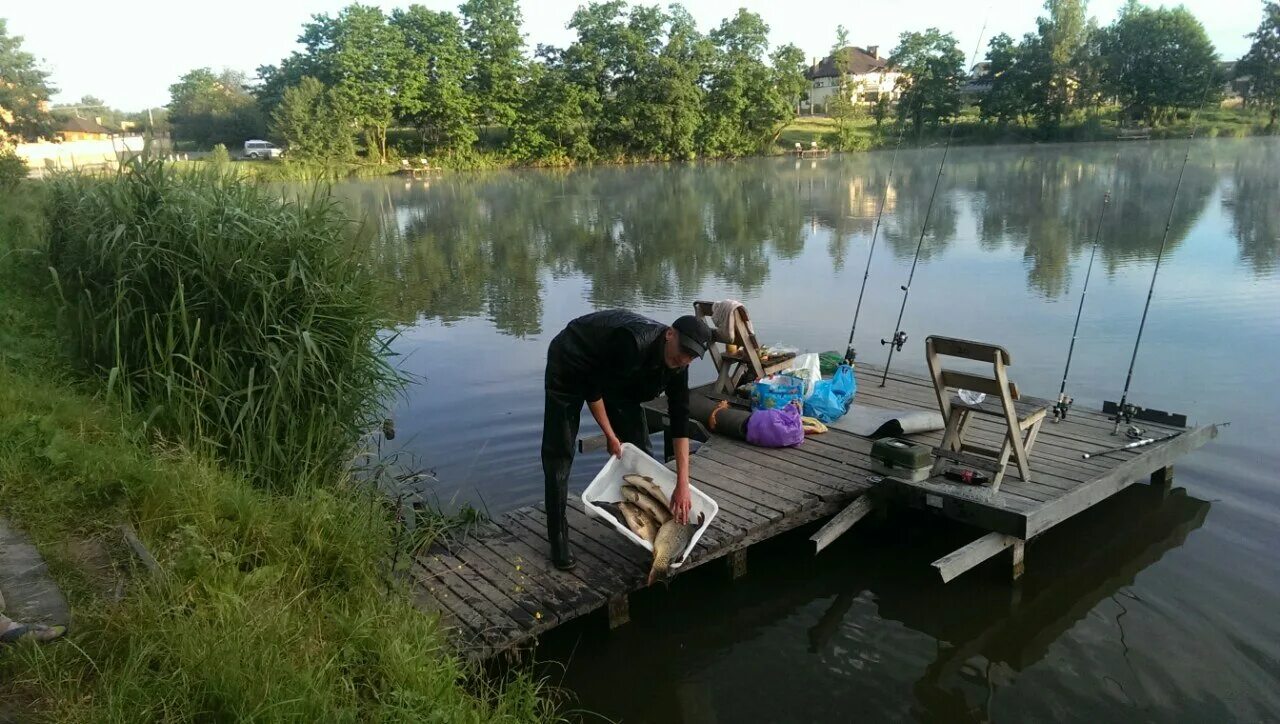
(671, 540)
(638, 496)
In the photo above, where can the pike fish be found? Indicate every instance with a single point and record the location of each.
(645, 483)
(638, 496)
(672, 538)
(639, 521)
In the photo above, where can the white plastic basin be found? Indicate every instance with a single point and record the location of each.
(607, 488)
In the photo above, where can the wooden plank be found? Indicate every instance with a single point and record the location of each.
(1001, 513)
(844, 520)
(723, 462)
(968, 349)
(729, 503)
(796, 491)
(515, 578)
(763, 501)
(952, 379)
(509, 611)
(581, 590)
(486, 622)
(959, 561)
(568, 594)
(1121, 477)
(616, 569)
(599, 576)
(753, 461)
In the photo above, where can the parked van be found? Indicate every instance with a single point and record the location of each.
(262, 149)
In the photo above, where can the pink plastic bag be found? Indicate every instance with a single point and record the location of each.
(779, 427)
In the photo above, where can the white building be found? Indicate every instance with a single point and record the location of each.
(870, 77)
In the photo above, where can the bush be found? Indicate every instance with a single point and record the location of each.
(219, 155)
(12, 169)
(239, 321)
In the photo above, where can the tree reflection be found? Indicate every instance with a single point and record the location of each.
(470, 245)
(1252, 201)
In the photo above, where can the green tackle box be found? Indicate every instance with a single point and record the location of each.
(896, 453)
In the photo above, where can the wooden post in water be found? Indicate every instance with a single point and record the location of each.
(1162, 479)
(737, 563)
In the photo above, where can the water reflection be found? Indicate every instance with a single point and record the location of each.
(484, 245)
(822, 626)
(1252, 201)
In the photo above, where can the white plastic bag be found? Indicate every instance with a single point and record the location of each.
(808, 368)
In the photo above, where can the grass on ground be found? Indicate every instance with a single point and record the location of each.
(268, 607)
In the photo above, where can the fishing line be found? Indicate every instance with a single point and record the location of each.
(1063, 404)
(1124, 411)
(850, 354)
(899, 336)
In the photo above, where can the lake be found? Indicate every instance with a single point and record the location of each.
(1147, 607)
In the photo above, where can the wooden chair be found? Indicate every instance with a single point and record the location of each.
(736, 352)
(1021, 416)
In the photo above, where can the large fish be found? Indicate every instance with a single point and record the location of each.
(645, 483)
(672, 538)
(639, 521)
(633, 494)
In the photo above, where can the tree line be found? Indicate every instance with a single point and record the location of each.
(641, 82)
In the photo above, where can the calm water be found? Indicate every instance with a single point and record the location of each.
(1142, 609)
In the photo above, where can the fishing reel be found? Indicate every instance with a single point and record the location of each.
(1062, 407)
(899, 339)
(1135, 433)
(1124, 415)
(850, 355)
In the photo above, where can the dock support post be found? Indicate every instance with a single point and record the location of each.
(1018, 549)
(619, 610)
(1162, 479)
(737, 563)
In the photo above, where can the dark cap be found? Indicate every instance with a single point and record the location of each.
(695, 335)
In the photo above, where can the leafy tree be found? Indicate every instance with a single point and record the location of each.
(24, 87)
(881, 109)
(308, 121)
(1157, 60)
(1008, 100)
(495, 42)
(1060, 51)
(933, 68)
(554, 122)
(432, 97)
(676, 89)
(1262, 63)
(842, 107)
(206, 108)
(363, 59)
(744, 107)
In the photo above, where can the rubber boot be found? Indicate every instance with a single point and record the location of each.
(561, 555)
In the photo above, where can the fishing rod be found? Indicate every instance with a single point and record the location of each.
(1141, 442)
(899, 336)
(1063, 405)
(1125, 412)
(850, 354)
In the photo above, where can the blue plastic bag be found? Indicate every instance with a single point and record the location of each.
(778, 427)
(831, 398)
(776, 392)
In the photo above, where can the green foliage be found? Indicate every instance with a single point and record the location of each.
(881, 109)
(241, 323)
(1158, 60)
(23, 85)
(12, 169)
(495, 43)
(1262, 63)
(364, 61)
(432, 97)
(311, 126)
(933, 67)
(219, 155)
(554, 124)
(269, 607)
(745, 106)
(206, 108)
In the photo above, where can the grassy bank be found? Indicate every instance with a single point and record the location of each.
(270, 605)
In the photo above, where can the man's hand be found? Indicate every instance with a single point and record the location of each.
(615, 446)
(680, 502)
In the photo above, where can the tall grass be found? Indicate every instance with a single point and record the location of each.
(269, 606)
(242, 322)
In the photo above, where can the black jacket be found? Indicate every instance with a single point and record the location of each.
(619, 355)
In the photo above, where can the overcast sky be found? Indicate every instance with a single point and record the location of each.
(129, 52)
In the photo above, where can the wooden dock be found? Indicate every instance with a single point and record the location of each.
(494, 587)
